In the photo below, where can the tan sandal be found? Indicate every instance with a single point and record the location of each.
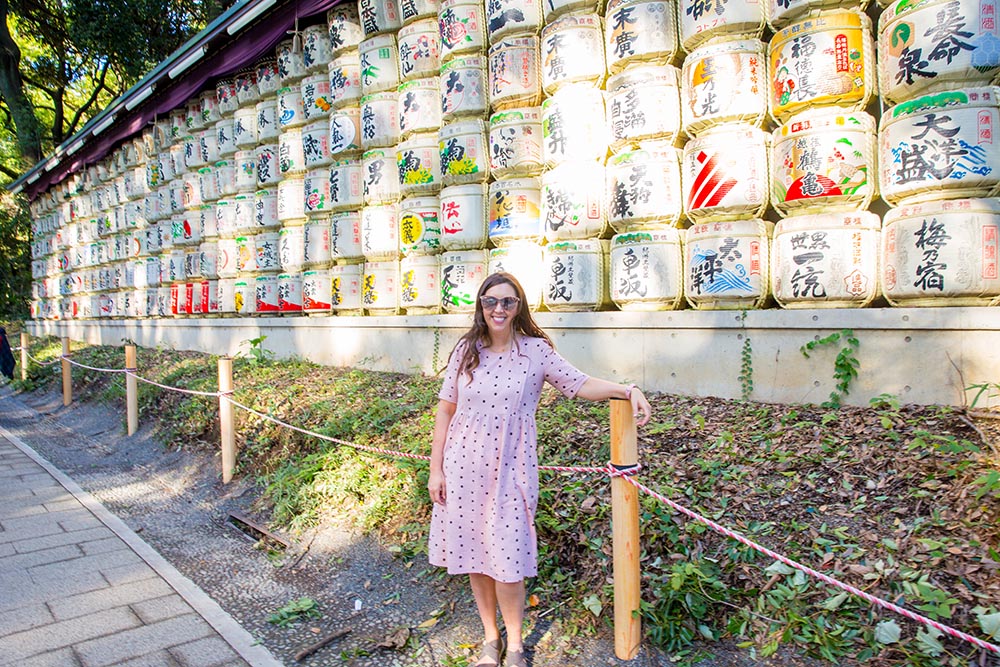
(491, 651)
(517, 658)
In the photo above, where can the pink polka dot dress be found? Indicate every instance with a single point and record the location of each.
(487, 524)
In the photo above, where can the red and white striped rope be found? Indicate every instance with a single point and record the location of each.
(868, 597)
(192, 392)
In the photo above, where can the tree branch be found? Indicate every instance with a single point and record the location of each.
(51, 92)
(10, 173)
(93, 97)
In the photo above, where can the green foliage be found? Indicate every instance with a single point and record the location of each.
(845, 366)
(989, 390)
(15, 257)
(746, 362)
(296, 610)
(256, 354)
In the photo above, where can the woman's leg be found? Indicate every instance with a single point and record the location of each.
(510, 597)
(484, 589)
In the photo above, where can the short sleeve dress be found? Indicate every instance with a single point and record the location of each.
(487, 524)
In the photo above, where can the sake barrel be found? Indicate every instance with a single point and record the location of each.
(246, 253)
(194, 304)
(553, 9)
(464, 152)
(345, 236)
(291, 62)
(344, 27)
(526, 261)
(380, 232)
(210, 296)
(726, 264)
(419, 104)
(316, 49)
(208, 185)
(291, 249)
(574, 52)
(208, 258)
(463, 217)
(316, 242)
(723, 82)
(380, 288)
(266, 293)
(345, 288)
(647, 269)
(826, 260)
(379, 64)
(724, 173)
(225, 138)
(419, 164)
(515, 210)
(246, 170)
(345, 132)
(419, 49)
(822, 61)
(225, 178)
(513, 17)
(576, 275)
(192, 115)
(573, 126)
(316, 144)
(268, 125)
(514, 68)
(266, 209)
(192, 161)
(823, 161)
(379, 120)
(516, 143)
(205, 220)
(419, 226)
(316, 292)
(245, 127)
(378, 17)
(639, 31)
(290, 109)
(643, 104)
(420, 285)
(290, 292)
(225, 218)
(381, 177)
(316, 95)
(464, 88)
(190, 229)
(175, 266)
(246, 87)
(266, 246)
(346, 185)
(139, 304)
(245, 296)
(268, 172)
(573, 202)
(226, 257)
(644, 189)
(462, 27)
(291, 198)
(246, 212)
(701, 20)
(940, 145)
(316, 190)
(942, 253)
(192, 263)
(937, 45)
(345, 80)
(462, 272)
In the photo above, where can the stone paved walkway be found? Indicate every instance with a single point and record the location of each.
(79, 588)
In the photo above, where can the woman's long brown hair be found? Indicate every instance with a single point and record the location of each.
(523, 323)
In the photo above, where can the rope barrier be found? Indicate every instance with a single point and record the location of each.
(626, 472)
(44, 363)
(868, 597)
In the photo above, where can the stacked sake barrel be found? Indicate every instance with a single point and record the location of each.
(939, 162)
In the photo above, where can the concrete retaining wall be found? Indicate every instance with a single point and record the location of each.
(926, 355)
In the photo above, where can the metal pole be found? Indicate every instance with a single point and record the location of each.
(625, 532)
(131, 393)
(226, 425)
(67, 378)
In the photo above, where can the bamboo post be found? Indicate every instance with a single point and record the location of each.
(67, 378)
(226, 426)
(131, 395)
(625, 530)
(24, 355)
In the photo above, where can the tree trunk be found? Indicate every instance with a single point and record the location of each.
(12, 88)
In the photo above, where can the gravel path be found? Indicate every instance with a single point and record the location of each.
(175, 501)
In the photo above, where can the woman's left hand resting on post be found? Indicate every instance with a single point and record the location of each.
(595, 389)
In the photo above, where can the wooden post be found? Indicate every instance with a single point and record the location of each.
(67, 378)
(131, 395)
(625, 527)
(226, 426)
(24, 355)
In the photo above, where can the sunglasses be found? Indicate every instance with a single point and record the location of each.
(491, 302)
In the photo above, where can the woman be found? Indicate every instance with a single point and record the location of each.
(484, 467)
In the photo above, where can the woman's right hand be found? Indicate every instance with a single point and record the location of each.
(436, 487)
